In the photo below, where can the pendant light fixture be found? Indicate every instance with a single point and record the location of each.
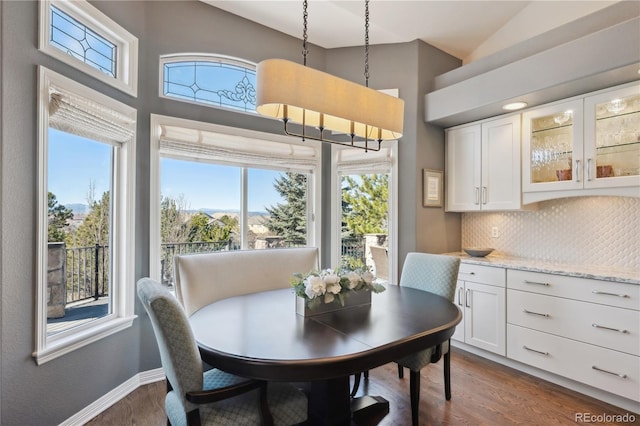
(325, 106)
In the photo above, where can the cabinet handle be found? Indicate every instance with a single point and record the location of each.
(536, 282)
(577, 170)
(604, 293)
(623, 331)
(466, 299)
(536, 351)
(622, 376)
(589, 161)
(536, 313)
(484, 195)
(460, 297)
(477, 195)
(466, 273)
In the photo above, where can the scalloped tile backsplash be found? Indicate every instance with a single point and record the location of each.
(599, 231)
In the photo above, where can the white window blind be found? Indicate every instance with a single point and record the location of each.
(238, 150)
(355, 161)
(78, 115)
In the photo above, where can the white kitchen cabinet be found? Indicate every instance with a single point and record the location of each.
(480, 295)
(589, 145)
(483, 166)
(584, 329)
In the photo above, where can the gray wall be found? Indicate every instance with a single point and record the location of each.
(51, 393)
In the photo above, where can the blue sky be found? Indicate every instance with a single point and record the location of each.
(75, 162)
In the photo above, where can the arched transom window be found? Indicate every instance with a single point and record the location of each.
(212, 80)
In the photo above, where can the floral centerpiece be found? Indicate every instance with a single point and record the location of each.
(333, 285)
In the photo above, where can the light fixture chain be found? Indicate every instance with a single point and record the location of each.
(305, 15)
(366, 42)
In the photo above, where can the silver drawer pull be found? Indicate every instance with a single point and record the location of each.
(535, 313)
(609, 294)
(537, 351)
(535, 282)
(467, 273)
(623, 331)
(622, 376)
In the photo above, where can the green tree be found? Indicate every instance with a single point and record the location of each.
(289, 219)
(364, 204)
(94, 229)
(58, 218)
(173, 220)
(202, 227)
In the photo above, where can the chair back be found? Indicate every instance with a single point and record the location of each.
(435, 273)
(179, 353)
(381, 261)
(203, 278)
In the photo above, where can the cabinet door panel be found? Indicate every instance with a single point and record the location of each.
(501, 186)
(485, 317)
(459, 301)
(463, 168)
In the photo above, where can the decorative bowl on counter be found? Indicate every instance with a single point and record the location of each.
(478, 251)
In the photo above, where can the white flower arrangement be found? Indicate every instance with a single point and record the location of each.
(331, 285)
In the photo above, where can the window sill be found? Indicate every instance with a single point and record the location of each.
(76, 340)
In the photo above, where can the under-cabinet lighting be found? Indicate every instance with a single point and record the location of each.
(514, 106)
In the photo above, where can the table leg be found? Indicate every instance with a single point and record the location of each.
(330, 403)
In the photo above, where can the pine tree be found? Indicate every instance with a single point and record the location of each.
(364, 204)
(58, 218)
(173, 226)
(289, 219)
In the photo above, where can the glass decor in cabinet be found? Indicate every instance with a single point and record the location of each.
(612, 138)
(552, 142)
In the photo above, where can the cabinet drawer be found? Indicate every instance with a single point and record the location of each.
(602, 368)
(482, 274)
(600, 325)
(597, 291)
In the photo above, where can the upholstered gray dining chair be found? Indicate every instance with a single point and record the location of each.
(437, 274)
(210, 397)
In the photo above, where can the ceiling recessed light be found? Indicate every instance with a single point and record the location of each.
(514, 106)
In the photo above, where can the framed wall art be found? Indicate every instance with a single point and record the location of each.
(431, 188)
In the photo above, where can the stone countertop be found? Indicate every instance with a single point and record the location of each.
(583, 271)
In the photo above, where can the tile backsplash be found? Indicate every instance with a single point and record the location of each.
(598, 231)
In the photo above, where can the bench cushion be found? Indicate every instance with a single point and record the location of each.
(203, 278)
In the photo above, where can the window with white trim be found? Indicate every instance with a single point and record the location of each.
(222, 188)
(364, 201)
(80, 35)
(212, 80)
(86, 163)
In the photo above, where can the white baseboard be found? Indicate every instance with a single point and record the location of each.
(106, 401)
(618, 401)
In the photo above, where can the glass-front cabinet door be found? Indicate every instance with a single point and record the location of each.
(552, 147)
(612, 138)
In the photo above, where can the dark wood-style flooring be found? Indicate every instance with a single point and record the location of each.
(483, 393)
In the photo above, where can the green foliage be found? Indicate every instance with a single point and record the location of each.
(289, 219)
(202, 227)
(173, 226)
(364, 204)
(94, 229)
(58, 218)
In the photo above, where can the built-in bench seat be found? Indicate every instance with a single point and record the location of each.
(203, 278)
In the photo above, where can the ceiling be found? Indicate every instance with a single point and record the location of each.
(465, 29)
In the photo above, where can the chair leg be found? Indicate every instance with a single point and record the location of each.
(414, 391)
(400, 372)
(356, 384)
(447, 375)
(193, 418)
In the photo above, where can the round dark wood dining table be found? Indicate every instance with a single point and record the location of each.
(259, 335)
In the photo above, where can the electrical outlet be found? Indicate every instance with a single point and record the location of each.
(494, 232)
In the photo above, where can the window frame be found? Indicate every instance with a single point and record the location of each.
(314, 187)
(126, 78)
(201, 57)
(122, 291)
(336, 203)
